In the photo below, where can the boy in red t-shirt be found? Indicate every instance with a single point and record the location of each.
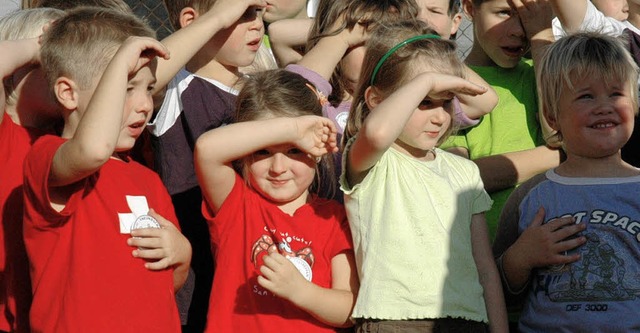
(92, 270)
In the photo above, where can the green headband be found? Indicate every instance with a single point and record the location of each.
(395, 48)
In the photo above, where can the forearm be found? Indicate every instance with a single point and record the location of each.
(330, 306)
(325, 55)
(488, 275)
(477, 106)
(17, 53)
(184, 44)
(502, 171)
(494, 299)
(571, 13)
(286, 36)
(180, 273)
(514, 270)
(231, 142)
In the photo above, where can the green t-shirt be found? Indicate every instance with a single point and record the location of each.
(511, 126)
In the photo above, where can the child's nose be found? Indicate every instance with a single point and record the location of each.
(146, 104)
(278, 163)
(515, 27)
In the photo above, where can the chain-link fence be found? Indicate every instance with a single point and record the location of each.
(155, 13)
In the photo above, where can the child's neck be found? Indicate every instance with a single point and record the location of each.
(227, 75)
(291, 207)
(605, 167)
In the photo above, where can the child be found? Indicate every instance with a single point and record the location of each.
(288, 35)
(567, 240)
(84, 196)
(214, 38)
(508, 145)
(421, 269)
(582, 15)
(27, 111)
(283, 254)
(336, 50)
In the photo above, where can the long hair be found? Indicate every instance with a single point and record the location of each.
(369, 13)
(399, 67)
(281, 93)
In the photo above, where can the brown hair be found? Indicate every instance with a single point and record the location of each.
(118, 5)
(281, 93)
(351, 12)
(81, 44)
(174, 7)
(399, 67)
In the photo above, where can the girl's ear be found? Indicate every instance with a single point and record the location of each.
(66, 93)
(455, 23)
(467, 8)
(187, 15)
(372, 97)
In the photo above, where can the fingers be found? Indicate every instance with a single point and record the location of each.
(158, 265)
(145, 241)
(538, 218)
(164, 223)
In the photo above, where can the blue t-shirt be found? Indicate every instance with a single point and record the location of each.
(598, 293)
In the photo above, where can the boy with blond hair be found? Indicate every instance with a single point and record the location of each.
(99, 252)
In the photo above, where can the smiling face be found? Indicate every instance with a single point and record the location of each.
(285, 9)
(499, 39)
(282, 174)
(595, 118)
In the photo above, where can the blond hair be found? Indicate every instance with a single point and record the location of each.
(578, 56)
(23, 24)
(369, 13)
(439, 54)
(81, 44)
(118, 5)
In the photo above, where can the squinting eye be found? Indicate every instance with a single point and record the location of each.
(261, 152)
(294, 151)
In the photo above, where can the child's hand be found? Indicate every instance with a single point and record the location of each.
(281, 277)
(444, 86)
(355, 36)
(137, 52)
(316, 135)
(535, 15)
(233, 10)
(542, 245)
(162, 248)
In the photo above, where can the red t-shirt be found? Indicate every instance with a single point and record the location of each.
(83, 275)
(15, 288)
(248, 226)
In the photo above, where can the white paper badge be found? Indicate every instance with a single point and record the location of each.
(145, 221)
(302, 266)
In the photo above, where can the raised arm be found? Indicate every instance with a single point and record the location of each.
(389, 117)
(479, 105)
(571, 13)
(287, 37)
(15, 54)
(94, 140)
(217, 149)
(187, 41)
(327, 53)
